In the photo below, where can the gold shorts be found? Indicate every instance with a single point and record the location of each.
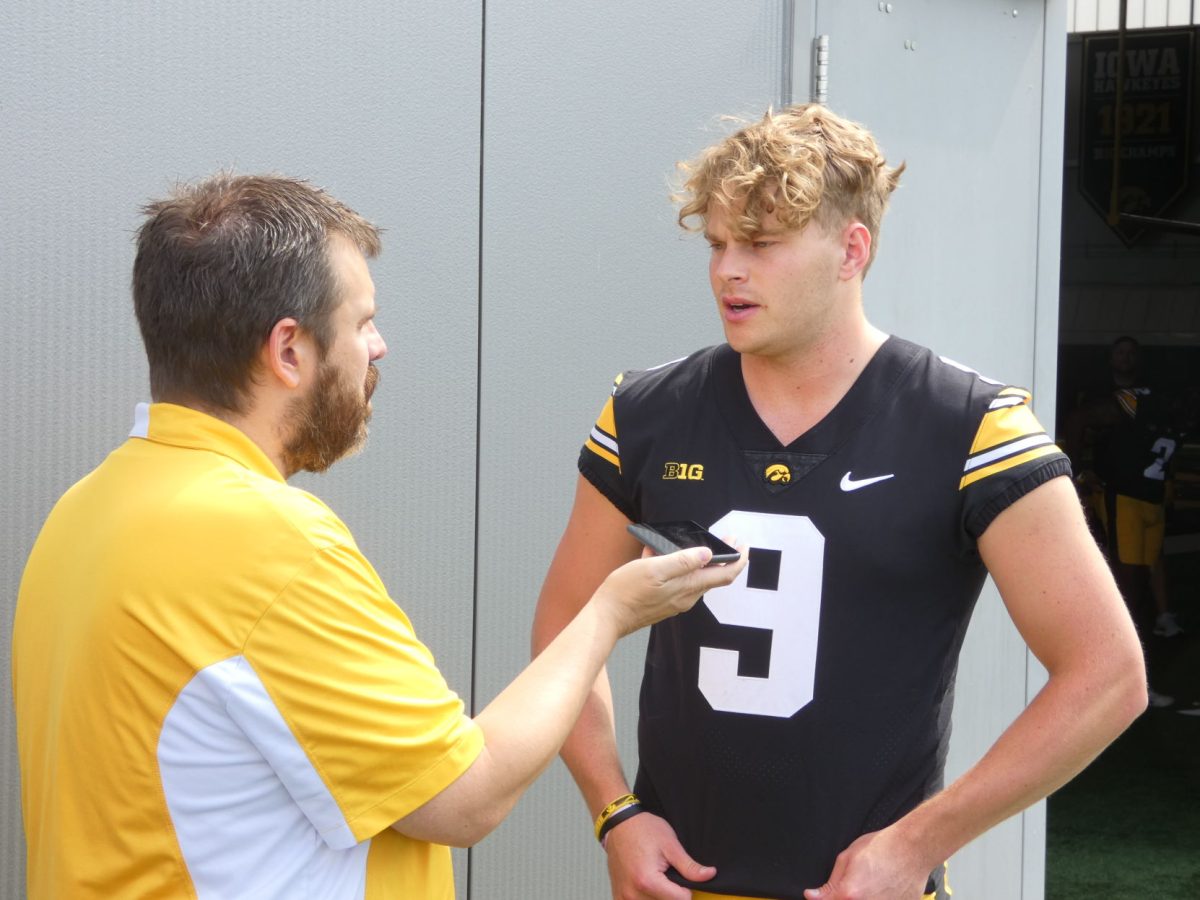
(1137, 537)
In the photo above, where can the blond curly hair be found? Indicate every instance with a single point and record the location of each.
(803, 163)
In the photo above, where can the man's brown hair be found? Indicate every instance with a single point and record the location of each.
(219, 262)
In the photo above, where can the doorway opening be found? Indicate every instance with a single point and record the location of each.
(1127, 825)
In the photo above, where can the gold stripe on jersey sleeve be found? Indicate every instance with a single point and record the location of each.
(602, 452)
(1127, 399)
(607, 421)
(1009, 434)
(1008, 463)
(1006, 423)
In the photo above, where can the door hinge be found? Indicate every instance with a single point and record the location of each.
(820, 79)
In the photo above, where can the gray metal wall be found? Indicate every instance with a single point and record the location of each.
(102, 106)
(519, 157)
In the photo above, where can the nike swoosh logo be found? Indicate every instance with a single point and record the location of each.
(853, 484)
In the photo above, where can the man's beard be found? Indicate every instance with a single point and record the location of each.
(329, 423)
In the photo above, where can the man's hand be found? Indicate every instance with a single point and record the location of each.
(652, 588)
(877, 866)
(640, 850)
(527, 723)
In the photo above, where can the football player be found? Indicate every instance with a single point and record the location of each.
(794, 725)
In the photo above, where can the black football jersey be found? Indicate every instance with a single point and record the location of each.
(809, 702)
(1134, 455)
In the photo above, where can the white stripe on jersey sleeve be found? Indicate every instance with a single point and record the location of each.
(1002, 402)
(604, 440)
(252, 816)
(1010, 449)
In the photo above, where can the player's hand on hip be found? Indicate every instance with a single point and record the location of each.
(652, 588)
(640, 850)
(875, 867)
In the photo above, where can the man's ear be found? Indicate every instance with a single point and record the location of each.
(289, 355)
(856, 250)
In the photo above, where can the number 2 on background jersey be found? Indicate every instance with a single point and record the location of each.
(792, 613)
(1163, 450)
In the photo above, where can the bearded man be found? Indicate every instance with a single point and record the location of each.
(215, 694)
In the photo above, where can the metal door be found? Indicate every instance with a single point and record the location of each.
(970, 96)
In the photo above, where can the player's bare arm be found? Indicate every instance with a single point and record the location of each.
(526, 724)
(1066, 606)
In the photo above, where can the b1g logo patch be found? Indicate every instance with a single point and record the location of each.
(678, 471)
(777, 473)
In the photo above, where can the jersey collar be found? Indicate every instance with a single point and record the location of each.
(181, 426)
(874, 387)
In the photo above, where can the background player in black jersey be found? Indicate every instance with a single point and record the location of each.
(800, 755)
(1121, 438)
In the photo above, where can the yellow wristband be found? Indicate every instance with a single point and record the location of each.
(617, 805)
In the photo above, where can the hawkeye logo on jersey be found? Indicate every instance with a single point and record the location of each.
(780, 470)
(778, 473)
(678, 471)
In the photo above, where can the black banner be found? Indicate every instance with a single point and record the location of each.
(1154, 123)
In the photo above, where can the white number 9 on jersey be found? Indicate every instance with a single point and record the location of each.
(791, 612)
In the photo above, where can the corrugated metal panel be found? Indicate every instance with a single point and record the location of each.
(627, 290)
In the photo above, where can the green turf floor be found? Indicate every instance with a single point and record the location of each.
(1129, 825)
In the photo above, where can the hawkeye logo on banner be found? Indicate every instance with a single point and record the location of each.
(1154, 123)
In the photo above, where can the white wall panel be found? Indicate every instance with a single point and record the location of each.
(1087, 15)
(102, 106)
(1105, 15)
(1045, 352)
(1155, 14)
(587, 109)
(1108, 15)
(1179, 12)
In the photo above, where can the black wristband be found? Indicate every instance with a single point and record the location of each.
(618, 817)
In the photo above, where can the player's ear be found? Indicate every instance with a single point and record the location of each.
(856, 250)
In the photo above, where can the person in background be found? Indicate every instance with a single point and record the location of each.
(1122, 438)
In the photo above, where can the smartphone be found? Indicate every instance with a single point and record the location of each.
(667, 537)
